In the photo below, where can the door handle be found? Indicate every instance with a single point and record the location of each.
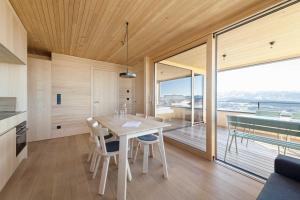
(95, 102)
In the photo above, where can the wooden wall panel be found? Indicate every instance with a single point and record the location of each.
(39, 99)
(72, 78)
(73, 81)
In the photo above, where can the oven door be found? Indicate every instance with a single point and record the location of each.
(20, 138)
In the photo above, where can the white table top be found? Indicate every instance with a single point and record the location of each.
(114, 123)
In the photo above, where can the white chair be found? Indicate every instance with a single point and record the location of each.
(92, 145)
(131, 141)
(148, 141)
(106, 150)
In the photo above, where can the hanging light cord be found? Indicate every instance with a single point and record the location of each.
(127, 44)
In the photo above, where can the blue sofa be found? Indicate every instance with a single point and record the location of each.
(284, 183)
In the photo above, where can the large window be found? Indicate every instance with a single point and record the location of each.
(258, 91)
(274, 86)
(176, 92)
(174, 96)
(180, 96)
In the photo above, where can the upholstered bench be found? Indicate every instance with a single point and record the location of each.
(284, 183)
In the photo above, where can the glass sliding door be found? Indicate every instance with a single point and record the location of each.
(174, 88)
(258, 91)
(198, 98)
(180, 99)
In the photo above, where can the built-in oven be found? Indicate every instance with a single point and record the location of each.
(21, 137)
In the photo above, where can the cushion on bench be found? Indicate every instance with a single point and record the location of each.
(288, 166)
(279, 187)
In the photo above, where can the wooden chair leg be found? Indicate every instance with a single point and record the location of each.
(136, 152)
(129, 176)
(145, 160)
(93, 163)
(90, 154)
(97, 166)
(104, 175)
(115, 159)
(160, 154)
(151, 151)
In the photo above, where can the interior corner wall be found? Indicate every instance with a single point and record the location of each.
(149, 86)
(139, 87)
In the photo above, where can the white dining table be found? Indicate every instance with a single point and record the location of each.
(147, 126)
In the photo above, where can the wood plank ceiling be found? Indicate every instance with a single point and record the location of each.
(251, 44)
(194, 59)
(94, 28)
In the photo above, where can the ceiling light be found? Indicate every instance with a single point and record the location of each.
(127, 74)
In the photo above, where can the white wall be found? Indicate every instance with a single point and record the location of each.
(13, 83)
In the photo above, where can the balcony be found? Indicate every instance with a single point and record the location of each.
(255, 157)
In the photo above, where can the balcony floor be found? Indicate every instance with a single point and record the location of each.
(257, 157)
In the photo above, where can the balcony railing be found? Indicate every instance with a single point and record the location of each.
(253, 106)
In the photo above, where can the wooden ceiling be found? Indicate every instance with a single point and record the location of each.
(167, 72)
(94, 28)
(194, 59)
(250, 44)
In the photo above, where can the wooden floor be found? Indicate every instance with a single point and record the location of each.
(57, 169)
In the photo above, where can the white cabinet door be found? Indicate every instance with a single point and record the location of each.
(8, 156)
(105, 92)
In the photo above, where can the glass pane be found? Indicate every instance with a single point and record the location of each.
(180, 96)
(258, 101)
(174, 86)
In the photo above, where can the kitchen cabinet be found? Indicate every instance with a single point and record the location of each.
(8, 160)
(13, 36)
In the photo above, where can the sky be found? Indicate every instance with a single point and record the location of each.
(276, 76)
(181, 86)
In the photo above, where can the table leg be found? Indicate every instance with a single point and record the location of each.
(162, 147)
(122, 170)
(146, 157)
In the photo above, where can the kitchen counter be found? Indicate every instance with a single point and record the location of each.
(7, 114)
(9, 120)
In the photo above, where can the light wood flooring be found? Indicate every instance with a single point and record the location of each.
(57, 169)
